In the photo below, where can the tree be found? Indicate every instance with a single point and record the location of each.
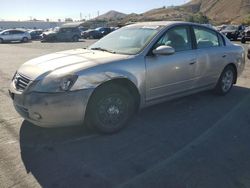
(246, 20)
(198, 18)
(68, 20)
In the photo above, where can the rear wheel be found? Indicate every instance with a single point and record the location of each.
(75, 38)
(243, 40)
(225, 81)
(25, 39)
(110, 108)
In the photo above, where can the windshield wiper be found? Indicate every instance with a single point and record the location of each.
(103, 49)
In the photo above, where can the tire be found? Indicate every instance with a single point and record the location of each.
(243, 40)
(25, 39)
(110, 108)
(1, 40)
(75, 38)
(226, 81)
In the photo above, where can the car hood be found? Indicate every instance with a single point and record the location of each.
(68, 61)
(49, 32)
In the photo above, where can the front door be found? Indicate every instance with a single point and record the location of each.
(171, 74)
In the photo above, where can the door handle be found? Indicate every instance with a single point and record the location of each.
(192, 62)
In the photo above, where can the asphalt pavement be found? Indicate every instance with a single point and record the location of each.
(199, 141)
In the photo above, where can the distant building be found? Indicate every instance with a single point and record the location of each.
(29, 24)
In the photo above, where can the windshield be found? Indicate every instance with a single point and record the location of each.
(128, 40)
(56, 29)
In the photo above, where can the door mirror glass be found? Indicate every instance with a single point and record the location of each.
(164, 50)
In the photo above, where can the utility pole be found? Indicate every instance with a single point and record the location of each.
(80, 16)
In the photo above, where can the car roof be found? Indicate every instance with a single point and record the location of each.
(163, 23)
(15, 30)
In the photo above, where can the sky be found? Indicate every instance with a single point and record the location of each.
(61, 9)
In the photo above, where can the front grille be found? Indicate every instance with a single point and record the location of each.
(21, 81)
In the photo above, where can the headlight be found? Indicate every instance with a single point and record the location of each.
(67, 82)
(53, 83)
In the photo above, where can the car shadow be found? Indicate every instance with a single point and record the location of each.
(76, 157)
(16, 42)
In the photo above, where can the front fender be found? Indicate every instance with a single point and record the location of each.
(95, 79)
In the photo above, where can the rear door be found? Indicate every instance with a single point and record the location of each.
(65, 34)
(15, 35)
(211, 56)
(19, 35)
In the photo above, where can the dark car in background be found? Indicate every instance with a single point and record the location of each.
(14, 35)
(233, 32)
(245, 35)
(64, 33)
(104, 30)
(36, 34)
(96, 33)
(91, 34)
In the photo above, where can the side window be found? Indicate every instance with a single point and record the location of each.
(6, 33)
(19, 32)
(63, 30)
(13, 32)
(221, 40)
(178, 38)
(206, 38)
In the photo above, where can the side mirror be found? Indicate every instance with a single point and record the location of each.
(164, 50)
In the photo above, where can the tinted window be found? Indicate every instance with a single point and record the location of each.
(18, 32)
(206, 38)
(178, 38)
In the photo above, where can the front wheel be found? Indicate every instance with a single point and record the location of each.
(110, 108)
(226, 81)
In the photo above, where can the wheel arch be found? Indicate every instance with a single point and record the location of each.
(235, 70)
(124, 82)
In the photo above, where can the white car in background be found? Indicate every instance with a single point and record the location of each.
(14, 35)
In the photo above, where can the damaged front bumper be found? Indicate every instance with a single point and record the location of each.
(51, 109)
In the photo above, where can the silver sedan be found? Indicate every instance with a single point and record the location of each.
(14, 35)
(134, 67)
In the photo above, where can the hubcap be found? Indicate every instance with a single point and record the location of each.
(227, 80)
(112, 110)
